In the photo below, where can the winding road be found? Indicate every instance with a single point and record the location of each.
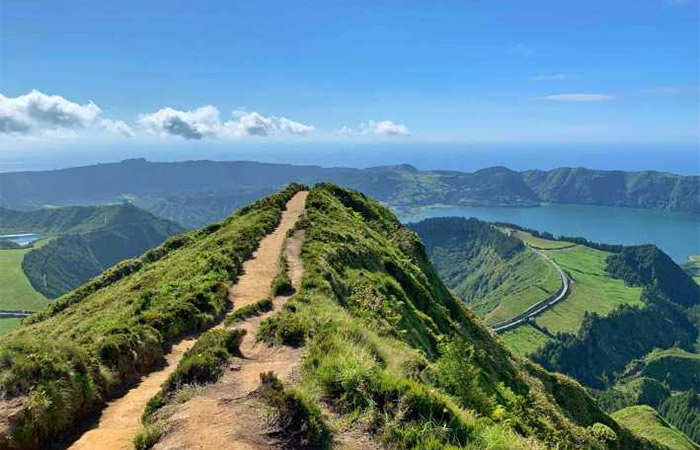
(539, 307)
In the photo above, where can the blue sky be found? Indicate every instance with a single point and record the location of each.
(326, 71)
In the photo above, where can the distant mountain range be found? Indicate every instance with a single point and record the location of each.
(194, 193)
(83, 241)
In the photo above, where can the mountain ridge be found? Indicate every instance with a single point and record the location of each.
(402, 187)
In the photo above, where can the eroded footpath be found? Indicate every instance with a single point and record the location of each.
(120, 420)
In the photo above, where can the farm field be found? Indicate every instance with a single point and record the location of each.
(593, 290)
(525, 339)
(540, 243)
(531, 280)
(15, 290)
(8, 324)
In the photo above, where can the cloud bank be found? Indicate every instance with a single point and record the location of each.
(577, 98)
(377, 128)
(39, 114)
(205, 121)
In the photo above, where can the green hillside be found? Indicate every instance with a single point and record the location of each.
(90, 343)
(645, 421)
(683, 411)
(677, 368)
(492, 272)
(693, 267)
(594, 289)
(382, 331)
(628, 332)
(633, 391)
(85, 241)
(386, 344)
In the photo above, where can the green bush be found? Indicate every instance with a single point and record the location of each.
(284, 328)
(203, 363)
(457, 373)
(282, 284)
(299, 422)
(148, 436)
(254, 309)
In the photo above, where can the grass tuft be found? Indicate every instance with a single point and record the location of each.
(299, 422)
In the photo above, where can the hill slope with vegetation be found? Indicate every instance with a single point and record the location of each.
(65, 361)
(83, 241)
(387, 346)
(493, 272)
(629, 332)
(177, 191)
(683, 411)
(647, 422)
(607, 332)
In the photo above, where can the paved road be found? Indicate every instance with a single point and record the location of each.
(540, 307)
(4, 314)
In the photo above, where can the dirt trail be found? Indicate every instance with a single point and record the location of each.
(226, 415)
(121, 418)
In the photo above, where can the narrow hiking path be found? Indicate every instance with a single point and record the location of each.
(544, 305)
(120, 420)
(228, 414)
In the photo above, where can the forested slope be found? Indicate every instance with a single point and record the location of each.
(84, 241)
(492, 271)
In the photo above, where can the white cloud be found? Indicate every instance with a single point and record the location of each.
(345, 131)
(39, 114)
(384, 128)
(555, 77)
(577, 98)
(374, 127)
(195, 124)
(205, 122)
(292, 127)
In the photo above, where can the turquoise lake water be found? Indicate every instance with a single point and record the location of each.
(675, 233)
(21, 239)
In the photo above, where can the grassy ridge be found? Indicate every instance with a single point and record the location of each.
(93, 341)
(645, 421)
(389, 347)
(677, 368)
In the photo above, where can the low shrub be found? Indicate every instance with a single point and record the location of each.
(299, 422)
(203, 363)
(254, 309)
(284, 328)
(148, 436)
(282, 284)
